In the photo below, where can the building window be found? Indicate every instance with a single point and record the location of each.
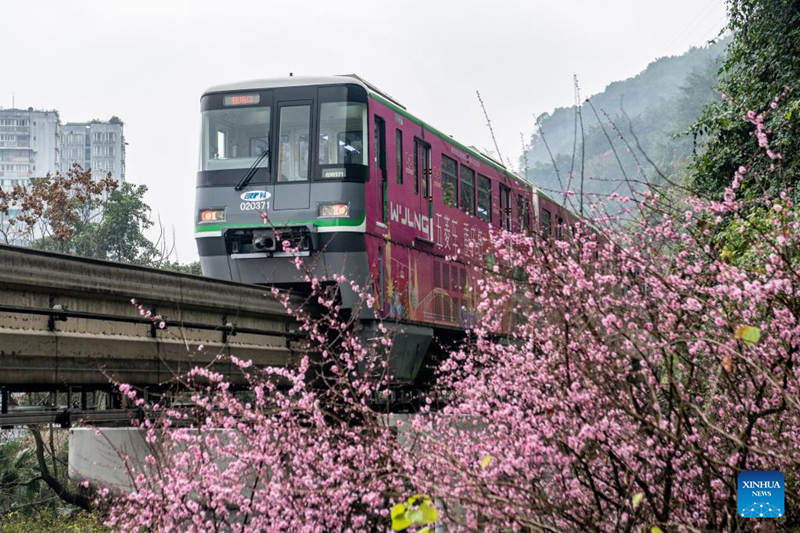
(467, 190)
(449, 181)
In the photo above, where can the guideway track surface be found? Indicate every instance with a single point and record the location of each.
(68, 321)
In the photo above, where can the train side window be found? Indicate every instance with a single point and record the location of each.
(559, 225)
(467, 190)
(422, 168)
(449, 181)
(545, 223)
(380, 145)
(427, 172)
(505, 207)
(380, 160)
(523, 213)
(398, 154)
(416, 166)
(484, 198)
(526, 215)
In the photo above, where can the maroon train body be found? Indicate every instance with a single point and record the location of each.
(428, 198)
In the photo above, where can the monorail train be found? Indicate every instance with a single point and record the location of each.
(361, 187)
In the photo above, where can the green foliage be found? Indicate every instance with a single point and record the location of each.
(763, 63)
(186, 268)
(25, 497)
(48, 520)
(118, 236)
(19, 476)
(637, 499)
(79, 214)
(114, 232)
(418, 510)
(662, 101)
(741, 241)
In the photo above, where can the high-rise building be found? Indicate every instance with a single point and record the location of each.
(96, 145)
(29, 144)
(34, 143)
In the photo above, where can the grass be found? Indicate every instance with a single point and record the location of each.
(50, 519)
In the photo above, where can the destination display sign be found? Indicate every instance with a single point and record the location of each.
(241, 99)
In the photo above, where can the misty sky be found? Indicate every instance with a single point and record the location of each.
(148, 62)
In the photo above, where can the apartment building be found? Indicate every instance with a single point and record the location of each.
(29, 144)
(34, 143)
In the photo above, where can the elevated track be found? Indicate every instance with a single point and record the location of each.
(68, 322)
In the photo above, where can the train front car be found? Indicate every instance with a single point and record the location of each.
(283, 162)
(357, 186)
(287, 161)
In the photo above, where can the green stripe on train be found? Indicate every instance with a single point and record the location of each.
(324, 223)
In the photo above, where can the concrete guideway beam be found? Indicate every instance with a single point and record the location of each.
(67, 321)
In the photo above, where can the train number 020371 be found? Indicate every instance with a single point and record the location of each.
(249, 206)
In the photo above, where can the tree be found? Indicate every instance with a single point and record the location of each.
(62, 206)
(51, 209)
(296, 446)
(95, 218)
(759, 77)
(658, 104)
(19, 479)
(76, 213)
(33, 475)
(187, 268)
(118, 234)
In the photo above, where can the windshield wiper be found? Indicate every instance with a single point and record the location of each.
(251, 172)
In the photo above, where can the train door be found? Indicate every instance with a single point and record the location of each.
(292, 164)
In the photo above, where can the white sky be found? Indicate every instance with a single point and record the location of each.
(148, 62)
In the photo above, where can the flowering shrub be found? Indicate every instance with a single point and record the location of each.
(296, 448)
(645, 367)
(646, 374)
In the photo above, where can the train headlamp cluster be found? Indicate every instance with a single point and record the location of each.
(334, 210)
(212, 215)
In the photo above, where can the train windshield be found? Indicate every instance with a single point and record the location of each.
(234, 138)
(308, 133)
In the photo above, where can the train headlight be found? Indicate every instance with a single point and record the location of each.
(334, 210)
(212, 215)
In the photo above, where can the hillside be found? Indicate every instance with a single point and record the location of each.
(662, 101)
